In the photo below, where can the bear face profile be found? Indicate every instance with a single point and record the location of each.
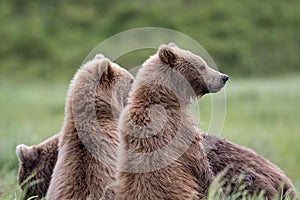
(36, 167)
(85, 167)
(202, 78)
(161, 155)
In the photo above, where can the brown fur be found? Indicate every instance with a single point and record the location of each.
(85, 167)
(232, 162)
(36, 166)
(161, 155)
(223, 156)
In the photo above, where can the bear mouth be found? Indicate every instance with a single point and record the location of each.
(215, 88)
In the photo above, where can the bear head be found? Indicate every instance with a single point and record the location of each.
(36, 167)
(101, 86)
(202, 78)
(115, 83)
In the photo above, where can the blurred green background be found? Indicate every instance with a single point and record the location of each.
(50, 38)
(256, 42)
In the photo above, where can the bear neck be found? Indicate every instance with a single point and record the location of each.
(166, 82)
(107, 114)
(93, 124)
(83, 114)
(156, 99)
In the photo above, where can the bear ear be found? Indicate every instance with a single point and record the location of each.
(172, 44)
(26, 153)
(99, 56)
(167, 54)
(105, 68)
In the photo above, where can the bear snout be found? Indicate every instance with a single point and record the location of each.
(224, 77)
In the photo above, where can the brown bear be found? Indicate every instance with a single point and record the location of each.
(226, 159)
(161, 154)
(36, 167)
(88, 144)
(242, 170)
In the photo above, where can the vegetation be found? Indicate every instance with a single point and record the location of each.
(50, 38)
(262, 118)
(256, 42)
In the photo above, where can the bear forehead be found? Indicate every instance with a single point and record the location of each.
(121, 71)
(188, 55)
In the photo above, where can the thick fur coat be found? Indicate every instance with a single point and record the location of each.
(239, 166)
(161, 154)
(227, 160)
(224, 159)
(88, 144)
(36, 167)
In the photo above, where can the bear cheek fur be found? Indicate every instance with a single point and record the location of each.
(188, 70)
(199, 86)
(196, 82)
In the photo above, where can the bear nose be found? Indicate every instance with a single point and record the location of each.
(225, 77)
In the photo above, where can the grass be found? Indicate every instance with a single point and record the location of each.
(30, 113)
(261, 114)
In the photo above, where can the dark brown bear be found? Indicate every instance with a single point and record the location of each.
(239, 167)
(36, 167)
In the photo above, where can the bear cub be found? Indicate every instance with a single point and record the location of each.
(88, 143)
(161, 152)
(36, 166)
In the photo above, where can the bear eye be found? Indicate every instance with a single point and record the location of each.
(131, 81)
(202, 67)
